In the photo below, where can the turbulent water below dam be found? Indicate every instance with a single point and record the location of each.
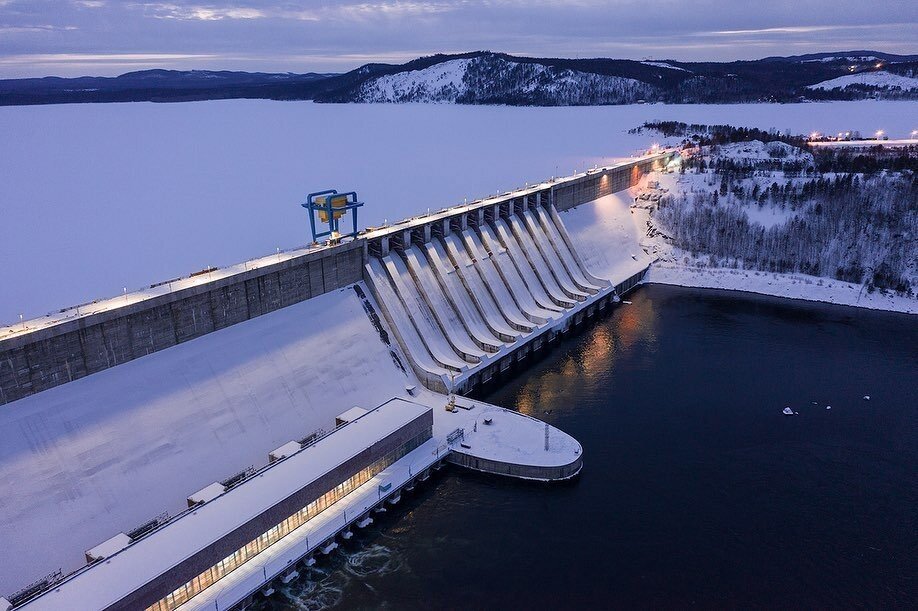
(696, 490)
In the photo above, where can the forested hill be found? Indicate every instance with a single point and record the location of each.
(776, 207)
(484, 77)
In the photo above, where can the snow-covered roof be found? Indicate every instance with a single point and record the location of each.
(105, 583)
(510, 437)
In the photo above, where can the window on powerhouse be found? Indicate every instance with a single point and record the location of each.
(245, 553)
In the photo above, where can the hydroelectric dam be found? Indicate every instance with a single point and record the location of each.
(192, 444)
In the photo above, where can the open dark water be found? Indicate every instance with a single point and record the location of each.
(696, 490)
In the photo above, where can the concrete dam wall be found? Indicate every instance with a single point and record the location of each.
(470, 289)
(111, 334)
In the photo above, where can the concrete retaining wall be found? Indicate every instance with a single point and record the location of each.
(587, 188)
(497, 467)
(47, 357)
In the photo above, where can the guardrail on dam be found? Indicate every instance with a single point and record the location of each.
(526, 273)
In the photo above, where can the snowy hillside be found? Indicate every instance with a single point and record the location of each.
(846, 58)
(664, 65)
(493, 79)
(757, 216)
(439, 83)
(754, 152)
(877, 80)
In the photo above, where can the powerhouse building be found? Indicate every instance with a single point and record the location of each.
(194, 551)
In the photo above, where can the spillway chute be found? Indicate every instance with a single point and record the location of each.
(480, 290)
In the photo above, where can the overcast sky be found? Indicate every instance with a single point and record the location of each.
(107, 37)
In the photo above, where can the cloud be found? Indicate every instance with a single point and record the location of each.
(28, 29)
(798, 29)
(392, 9)
(84, 59)
(325, 35)
(162, 10)
(362, 11)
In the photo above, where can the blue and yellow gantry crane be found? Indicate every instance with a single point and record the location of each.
(330, 206)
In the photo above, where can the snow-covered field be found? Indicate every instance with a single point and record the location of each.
(100, 197)
(881, 79)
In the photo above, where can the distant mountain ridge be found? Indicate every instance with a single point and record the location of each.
(484, 77)
(156, 85)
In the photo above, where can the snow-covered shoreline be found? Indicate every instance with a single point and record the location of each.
(789, 286)
(612, 237)
(740, 264)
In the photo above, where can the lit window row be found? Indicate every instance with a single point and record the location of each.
(245, 553)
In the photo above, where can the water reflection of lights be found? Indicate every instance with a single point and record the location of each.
(592, 360)
(636, 322)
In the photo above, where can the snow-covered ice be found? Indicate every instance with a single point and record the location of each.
(91, 194)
